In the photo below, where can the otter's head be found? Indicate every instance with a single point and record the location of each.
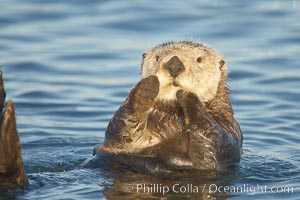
(190, 66)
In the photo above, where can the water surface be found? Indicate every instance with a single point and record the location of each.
(68, 65)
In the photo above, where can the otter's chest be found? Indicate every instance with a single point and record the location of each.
(166, 120)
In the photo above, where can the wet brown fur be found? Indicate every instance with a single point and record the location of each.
(12, 173)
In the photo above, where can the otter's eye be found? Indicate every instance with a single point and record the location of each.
(156, 58)
(199, 60)
(144, 55)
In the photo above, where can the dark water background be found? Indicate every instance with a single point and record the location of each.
(68, 65)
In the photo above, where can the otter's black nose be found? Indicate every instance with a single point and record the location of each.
(174, 66)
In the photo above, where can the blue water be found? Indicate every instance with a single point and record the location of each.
(68, 65)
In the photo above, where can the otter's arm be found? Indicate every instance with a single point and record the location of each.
(12, 173)
(130, 116)
(208, 145)
(136, 106)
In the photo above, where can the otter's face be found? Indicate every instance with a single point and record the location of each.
(184, 65)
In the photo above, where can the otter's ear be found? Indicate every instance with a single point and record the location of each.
(144, 55)
(221, 64)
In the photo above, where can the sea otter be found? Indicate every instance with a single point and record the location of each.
(178, 116)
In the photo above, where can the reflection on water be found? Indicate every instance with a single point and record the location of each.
(123, 182)
(68, 65)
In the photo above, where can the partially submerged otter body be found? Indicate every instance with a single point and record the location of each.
(12, 173)
(179, 115)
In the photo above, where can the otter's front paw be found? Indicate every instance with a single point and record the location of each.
(142, 96)
(191, 105)
(147, 88)
(186, 99)
(195, 112)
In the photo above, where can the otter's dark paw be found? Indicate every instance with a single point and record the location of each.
(193, 109)
(181, 94)
(141, 98)
(147, 88)
(186, 99)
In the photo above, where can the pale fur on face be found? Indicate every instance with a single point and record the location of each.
(199, 78)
